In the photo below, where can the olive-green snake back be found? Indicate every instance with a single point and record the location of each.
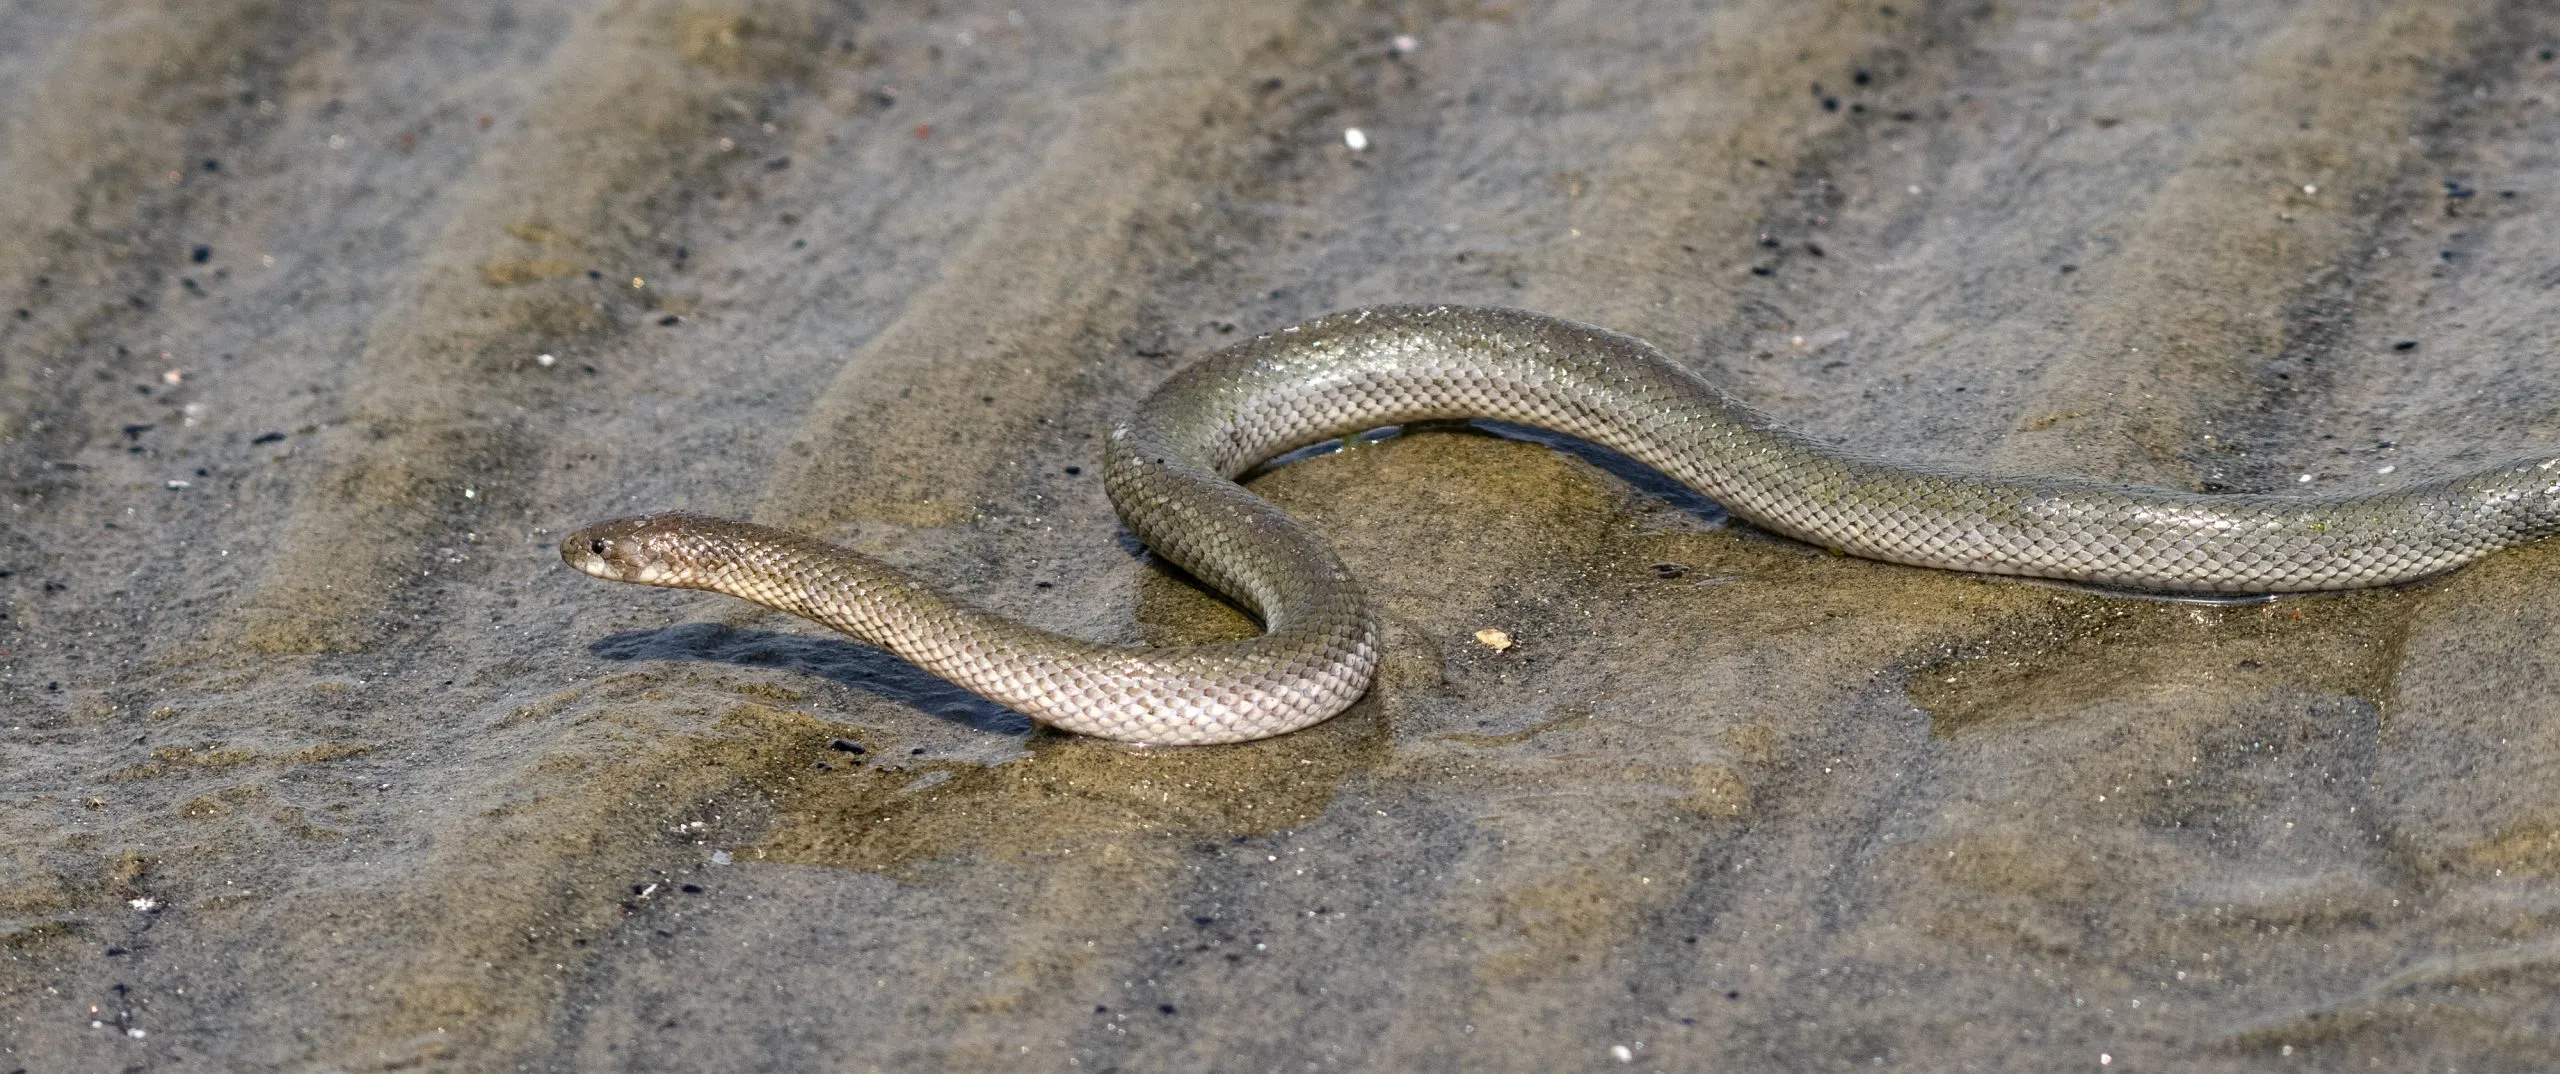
(1170, 468)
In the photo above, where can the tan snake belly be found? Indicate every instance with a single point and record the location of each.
(1170, 469)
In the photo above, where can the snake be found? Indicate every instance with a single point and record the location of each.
(1171, 469)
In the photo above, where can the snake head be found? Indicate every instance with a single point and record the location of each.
(647, 549)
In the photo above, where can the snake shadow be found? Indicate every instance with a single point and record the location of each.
(1647, 481)
(851, 664)
(1644, 479)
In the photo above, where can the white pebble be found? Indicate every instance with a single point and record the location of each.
(2302, 480)
(1622, 1053)
(544, 360)
(1355, 138)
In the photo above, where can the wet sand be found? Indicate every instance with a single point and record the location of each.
(323, 321)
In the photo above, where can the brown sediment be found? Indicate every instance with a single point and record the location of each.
(2061, 652)
(1069, 796)
(318, 762)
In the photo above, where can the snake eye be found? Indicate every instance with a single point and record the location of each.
(597, 546)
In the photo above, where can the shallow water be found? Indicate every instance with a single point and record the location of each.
(324, 321)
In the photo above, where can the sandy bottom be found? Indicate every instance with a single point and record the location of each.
(319, 322)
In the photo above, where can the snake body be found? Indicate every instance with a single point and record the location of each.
(1170, 469)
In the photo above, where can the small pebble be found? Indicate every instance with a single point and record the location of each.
(1355, 138)
(1493, 639)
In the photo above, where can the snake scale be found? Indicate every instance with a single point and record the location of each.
(1169, 471)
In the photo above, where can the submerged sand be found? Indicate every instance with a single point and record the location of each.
(323, 320)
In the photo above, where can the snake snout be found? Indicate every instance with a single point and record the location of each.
(617, 551)
(648, 549)
(591, 552)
